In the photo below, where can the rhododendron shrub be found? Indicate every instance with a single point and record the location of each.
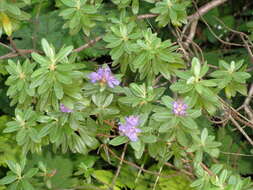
(126, 95)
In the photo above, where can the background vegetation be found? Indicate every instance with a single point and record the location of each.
(126, 94)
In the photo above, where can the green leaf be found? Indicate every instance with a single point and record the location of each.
(135, 6)
(14, 167)
(167, 101)
(136, 145)
(47, 48)
(39, 59)
(21, 136)
(13, 9)
(108, 100)
(198, 182)
(140, 59)
(138, 90)
(31, 173)
(216, 168)
(118, 140)
(196, 66)
(64, 52)
(44, 131)
(69, 3)
(8, 179)
(58, 90)
(165, 127)
(6, 22)
(223, 176)
(26, 185)
(189, 123)
(11, 127)
(149, 139)
(204, 135)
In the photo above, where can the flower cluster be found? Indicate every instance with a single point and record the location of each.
(179, 108)
(64, 109)
(130, 129)
(104, 75)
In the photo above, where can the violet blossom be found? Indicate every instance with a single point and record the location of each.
(179, 108)
(130, 129)
(104, 75)
(64, 109)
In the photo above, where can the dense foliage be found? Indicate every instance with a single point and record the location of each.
(126, 94)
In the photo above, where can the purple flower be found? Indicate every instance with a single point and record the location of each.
(179, 108)
(104, 75)
(130, 129)
(65, 109)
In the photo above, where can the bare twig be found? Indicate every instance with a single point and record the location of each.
(87, 45)
(147, 16)
(234, 113)
(119, 167)
(138, 167)
(181, 170)
(28, 51)
(14, 54)
(247, 102)
(196, 16)
(15, 47)
(205, 8)
(157, 178)
(236, 154)
(192, 32)
(247, 42)
(6, 46)
(241, 130)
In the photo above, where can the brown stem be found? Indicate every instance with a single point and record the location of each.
(119, 167)
(196, 16)
(138, 167)
(205, 8)
(241, 130)
(147, 16)
(87, 45)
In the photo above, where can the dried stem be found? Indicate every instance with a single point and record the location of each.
(138, 167)
(205, 8)
(6, 46)
(247, 102)
(241, 130)
(196, 16)
(147, 16)
(87, 45)
(119, 167)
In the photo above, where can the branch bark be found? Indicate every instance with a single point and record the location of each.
(15, 54)
(241, 130)
(205, 8)
(89, 44)
(147, 16)
(196, 16)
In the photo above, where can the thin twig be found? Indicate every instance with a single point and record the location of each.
(138, 167)
(119, 167)
(6, 46)
(15, 47)
(181, 170)
(87, 45)
(157, 178)
(205, 8)
(241, 130)
(247, 102)
(193, 19)
(236, 114)
(192, 33)
(147, 16)
(14, 54)
(237, 154)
